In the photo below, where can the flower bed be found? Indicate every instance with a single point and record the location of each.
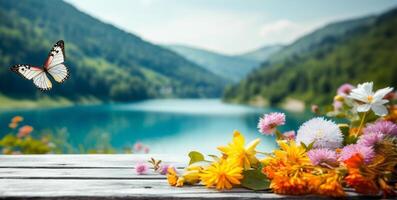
(322, 158)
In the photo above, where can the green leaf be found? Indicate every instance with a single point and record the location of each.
(216, 158)
(254, 179)
(195, 157)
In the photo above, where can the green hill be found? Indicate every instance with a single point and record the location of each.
(263, 53)
(365, 52)
(232, 68)
(105, 62)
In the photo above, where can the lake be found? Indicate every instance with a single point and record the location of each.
(172, 126)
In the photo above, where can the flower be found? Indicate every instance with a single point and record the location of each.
(235, 151)
(16, 119)
(337, 105)
(141, 168)
(366, 152)
(361, 183)
(146, 150)
(289, 135)
(172, 176)
(369, 100)
(385, 127)
(223, 175)
(321, 132)
(192, 174)
(345, 89)
(269, 122)
(138, 146)
(24, 131)
(315, 108)
(322, 157)
(370, 139)
(331, 185)
(164, 169)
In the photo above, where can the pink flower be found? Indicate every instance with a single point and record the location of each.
(289, 135)
(345, 89)
(370, 139)
(366, 152)
(315, 108)
(268, 123)
(322, 156)
(138, 146)
(164, 169)
(141, 168)
(146, 150)
(385, 127)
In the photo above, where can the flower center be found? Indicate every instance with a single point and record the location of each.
(370, 98)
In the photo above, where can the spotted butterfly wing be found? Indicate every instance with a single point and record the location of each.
(54, 63)
(54, 66)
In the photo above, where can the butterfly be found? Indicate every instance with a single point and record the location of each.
(54, 66)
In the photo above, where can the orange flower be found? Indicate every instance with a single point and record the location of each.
(360, 183)
(392, 116)
(172, 177)
(16, 119)
(355, 161)
(24, 131)
(12, 125)
(331, 186)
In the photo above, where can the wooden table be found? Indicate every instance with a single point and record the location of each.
(103, 177)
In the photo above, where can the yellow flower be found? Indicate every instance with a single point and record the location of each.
(180, 181)
(192, 174)
(172, 177)
(237, 153)
(223, 175)
(291, 153)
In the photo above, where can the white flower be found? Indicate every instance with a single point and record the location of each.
(324, 133)
(370, 100)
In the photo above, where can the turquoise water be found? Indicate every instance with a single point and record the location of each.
(166, 126)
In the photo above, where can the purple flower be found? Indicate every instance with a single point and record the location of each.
(268, 123)
(366, 152)
(164, 169)
(322, 156)
(370, 139)
(385, 127)
(345, 89)
(141, 168)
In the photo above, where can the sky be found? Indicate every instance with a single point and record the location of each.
(226, 26)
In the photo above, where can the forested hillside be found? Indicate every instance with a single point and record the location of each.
(105, 62)
(368, 52)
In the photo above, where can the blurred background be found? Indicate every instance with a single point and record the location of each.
(157, 76)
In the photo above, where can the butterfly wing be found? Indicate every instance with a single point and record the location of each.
(42, 82)
(27, 71)
(55, 63)
(38, 75)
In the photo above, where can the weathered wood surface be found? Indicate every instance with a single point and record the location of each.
(103, 177)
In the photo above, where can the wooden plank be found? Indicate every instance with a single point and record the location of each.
(124, 189)
(85, 161)
(78, 173)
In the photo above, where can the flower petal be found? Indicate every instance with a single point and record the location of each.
(380, 94)
(363, 107)
(379, 110)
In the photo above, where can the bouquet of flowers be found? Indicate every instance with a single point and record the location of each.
(322, 158)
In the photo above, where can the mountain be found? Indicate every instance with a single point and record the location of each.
(106, 63)
(314, 66)
(263, 53)
(232, 68)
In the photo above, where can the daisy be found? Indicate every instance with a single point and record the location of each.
(366, 152)
(321, 132)
(385, 127)
(322, 156)
(369, 99)
(269, 122)
(223, 175)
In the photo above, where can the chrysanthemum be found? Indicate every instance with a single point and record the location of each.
(324, 133)
(366, 152)
(345, 89)
(370, 139)
(244, 156)
(268, 123)
(141, 168)
(385, 127)
(322, 157)
(223, 175)
(370, 100)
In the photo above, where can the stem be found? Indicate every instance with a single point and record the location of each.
(279, 135)
(361, 123)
